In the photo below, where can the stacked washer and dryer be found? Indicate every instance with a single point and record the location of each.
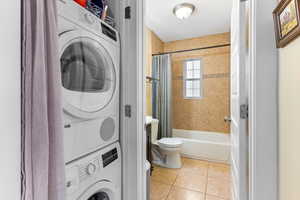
(90, 65)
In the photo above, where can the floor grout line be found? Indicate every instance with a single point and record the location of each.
(179, 172)
(169, 192)
(192, 190)
(206, 181)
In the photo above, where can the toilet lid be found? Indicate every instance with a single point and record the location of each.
(170, 142)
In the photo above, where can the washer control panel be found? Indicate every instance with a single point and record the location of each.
(99, 162)
(109, 157)
(90, 168)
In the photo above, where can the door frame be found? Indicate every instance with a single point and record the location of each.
(132, 129)
(263, 102)
(10, 101)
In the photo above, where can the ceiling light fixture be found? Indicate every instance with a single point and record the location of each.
(184, 10)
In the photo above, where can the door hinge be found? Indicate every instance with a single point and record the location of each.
(128, 111)
(244, 111)
(128, 12)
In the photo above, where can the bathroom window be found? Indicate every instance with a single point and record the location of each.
(192, 79)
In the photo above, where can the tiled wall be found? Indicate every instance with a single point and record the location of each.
(154, 45)
(206, 114)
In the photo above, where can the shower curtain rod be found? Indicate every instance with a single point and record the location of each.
(196, 49)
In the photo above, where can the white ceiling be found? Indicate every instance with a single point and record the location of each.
(210, 17)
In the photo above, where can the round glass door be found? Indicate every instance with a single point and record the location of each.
(102, 190)
(100, 196)
(88, 75)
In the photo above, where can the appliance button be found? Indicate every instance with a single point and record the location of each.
(69, 184)
(89, 18)
(91, 169)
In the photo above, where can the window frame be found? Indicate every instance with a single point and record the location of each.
(184, 79)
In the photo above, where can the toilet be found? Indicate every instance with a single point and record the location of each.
(166, 151)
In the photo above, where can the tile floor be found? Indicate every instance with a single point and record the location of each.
(196, 180)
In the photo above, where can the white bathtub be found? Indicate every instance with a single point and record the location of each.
(204, 145)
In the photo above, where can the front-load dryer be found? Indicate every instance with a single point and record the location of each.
(90, 66)
(96, 176)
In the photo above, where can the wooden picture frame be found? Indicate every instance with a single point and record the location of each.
(287, 22)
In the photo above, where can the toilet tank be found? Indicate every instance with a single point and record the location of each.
(154, 130)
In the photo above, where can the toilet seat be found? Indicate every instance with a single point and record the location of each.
(170, 142)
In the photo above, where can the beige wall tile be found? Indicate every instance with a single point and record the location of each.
(208, 113)
(210, 40)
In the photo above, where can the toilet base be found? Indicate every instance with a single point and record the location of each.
(169, 159)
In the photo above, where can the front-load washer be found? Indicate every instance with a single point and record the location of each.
(90, 66)
(96, 176)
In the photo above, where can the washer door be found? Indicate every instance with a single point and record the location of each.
(102, 190)
(100, 196)
(88, 74)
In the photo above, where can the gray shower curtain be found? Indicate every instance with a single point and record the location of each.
(43, 169)
(162, 94)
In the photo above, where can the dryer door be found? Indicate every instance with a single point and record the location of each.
(88, 74)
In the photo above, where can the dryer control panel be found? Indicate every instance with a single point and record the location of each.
(109, 32)
(80, 16)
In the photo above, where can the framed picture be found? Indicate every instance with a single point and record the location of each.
(287, 22)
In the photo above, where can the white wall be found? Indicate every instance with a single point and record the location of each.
(289, 125)
(10, 100)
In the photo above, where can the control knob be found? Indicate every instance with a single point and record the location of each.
(91, 169)
(89, 18)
